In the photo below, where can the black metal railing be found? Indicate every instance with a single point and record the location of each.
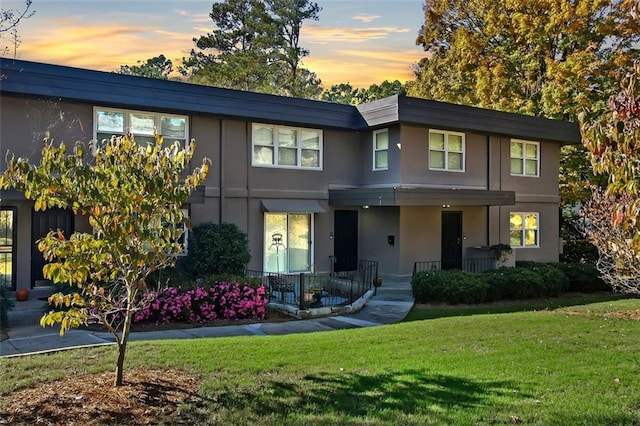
(316, 290)
(468, 265)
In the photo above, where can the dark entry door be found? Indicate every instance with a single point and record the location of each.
(451, 240)
(43, 222)
(345, 242)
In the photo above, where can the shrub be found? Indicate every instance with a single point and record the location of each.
(225, 300)
(583, 277)
(449, 287)
(6, 303)
(217, 249)
(172, 277)
(579, 251)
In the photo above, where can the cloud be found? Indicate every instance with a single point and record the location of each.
(103, 48)
(365, 18)
(323, 35)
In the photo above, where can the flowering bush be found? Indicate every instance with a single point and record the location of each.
(223, 300)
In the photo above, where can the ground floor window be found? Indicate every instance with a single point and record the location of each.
(287, 242)
(524, 229)
(7, 246)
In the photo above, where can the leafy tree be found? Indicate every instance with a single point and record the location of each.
(288, 16)
(9, 20)
(544, 58)
(549, 58)
(257, 48)
(132, 196)
(157, 67)
(341, 93)
(613, 140)
(618, 261)
(344, 93)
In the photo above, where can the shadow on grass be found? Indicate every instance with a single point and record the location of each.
(423, 312)
(408, 397)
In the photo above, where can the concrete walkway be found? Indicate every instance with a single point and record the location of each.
(23, 334)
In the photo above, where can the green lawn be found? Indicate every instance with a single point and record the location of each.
(544, 367)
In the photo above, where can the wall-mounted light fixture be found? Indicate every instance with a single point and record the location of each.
(365, 207)
(446, 206)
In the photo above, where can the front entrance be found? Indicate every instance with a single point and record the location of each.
(43, 222)
(345, 242)
(451, 240)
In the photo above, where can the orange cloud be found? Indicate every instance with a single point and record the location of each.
(95, 47)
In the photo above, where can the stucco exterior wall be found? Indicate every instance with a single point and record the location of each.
(415, 161)
(376, 224)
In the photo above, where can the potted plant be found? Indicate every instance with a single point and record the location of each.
(377, 281)
(504, 255)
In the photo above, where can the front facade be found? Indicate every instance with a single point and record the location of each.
(314, 185)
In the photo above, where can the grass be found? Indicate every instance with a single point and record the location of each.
(538, 367)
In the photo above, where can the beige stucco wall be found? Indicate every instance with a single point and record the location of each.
(415, 161)
(375, 224)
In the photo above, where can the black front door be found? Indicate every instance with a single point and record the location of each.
(42, 223)
(345, 242)
(451, 240)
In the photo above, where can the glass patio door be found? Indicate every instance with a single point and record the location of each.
(7, 247)
(287, 242)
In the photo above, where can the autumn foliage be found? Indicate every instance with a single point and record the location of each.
(132, 196)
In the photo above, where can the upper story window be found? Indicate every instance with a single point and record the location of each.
(381, 150)
(109, 122)
(446, 150)
(525, 158)
(524, 229)
(287, 147)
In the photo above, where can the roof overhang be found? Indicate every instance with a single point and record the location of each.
(417, 196)
(291, 206)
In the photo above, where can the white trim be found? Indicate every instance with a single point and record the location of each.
(524, 157)
(275, 147)
(446, 134)
(286, 243)
(524, 229)
(158, 116)
(376, 150)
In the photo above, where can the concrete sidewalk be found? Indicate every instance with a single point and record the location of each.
(23, 334)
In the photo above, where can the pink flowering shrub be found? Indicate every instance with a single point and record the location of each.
(223, 300)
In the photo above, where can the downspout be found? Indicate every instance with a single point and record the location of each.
(488, 227)
(222, 171)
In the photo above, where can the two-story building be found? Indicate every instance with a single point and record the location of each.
(397, 180)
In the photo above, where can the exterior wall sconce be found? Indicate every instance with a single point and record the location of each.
(446, 206)
(365, 207)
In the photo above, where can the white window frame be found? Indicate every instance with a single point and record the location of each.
(265, 254)
(376, 150)
(275, 145)
(158, 116)
(446, 134)
(524, 157)
(524, 229)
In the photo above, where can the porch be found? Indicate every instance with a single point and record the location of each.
(327, 291)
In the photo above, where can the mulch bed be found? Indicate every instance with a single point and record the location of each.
(146, 397)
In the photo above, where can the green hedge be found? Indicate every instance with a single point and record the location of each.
(536, 281)
(449, 286)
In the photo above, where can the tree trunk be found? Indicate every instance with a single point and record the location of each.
(122, 344)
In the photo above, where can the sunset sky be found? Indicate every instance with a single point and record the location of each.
(360, 42)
